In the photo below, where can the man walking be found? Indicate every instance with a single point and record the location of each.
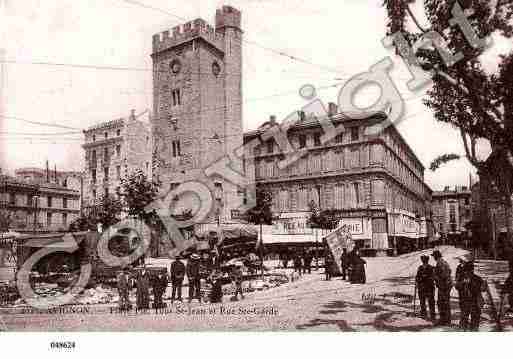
(443, 283)
(193, 276)
(307, 258)
(426, 288)
(470, 286)
(298, 263)
(344, 263)
(458, 277)
(177, 275)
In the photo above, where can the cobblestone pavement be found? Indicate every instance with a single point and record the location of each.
(311, 303)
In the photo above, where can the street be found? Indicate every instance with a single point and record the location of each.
(384, 303)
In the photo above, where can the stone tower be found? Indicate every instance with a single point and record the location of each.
(197, 105)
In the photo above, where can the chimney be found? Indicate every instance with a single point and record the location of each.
(47, 172)
(272, 120)
(55, 173)
(332, 109)
(132, 114)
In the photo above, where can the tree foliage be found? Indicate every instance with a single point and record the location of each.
(107, 212)
(137, 192)
(325, 219)
(262, 212)
(443, 159)
(480, 102)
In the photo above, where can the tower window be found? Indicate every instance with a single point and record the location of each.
(177, 98)
(302, 141)
(317, 139)
(354, 134)
(176, 148)
(270, 146)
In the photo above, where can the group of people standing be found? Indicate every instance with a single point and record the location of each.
(159, 282)
(469, 285)
(351, 264)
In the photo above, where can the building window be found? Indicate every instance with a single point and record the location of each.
(64, 203)
(94, 138)
(29, 200)
(93, 175)
(118, 133)
(317, 139)
(93, 160)
(302, 141)
(118, 150)
(177, 99)
(106, 173)
(467, 201)
(354, 133)
(147, 167)
(48, 219)
(118, 172)
(50, 202)
(105, 154)
(176, 148)
(339, 138)
(106, 192)
(356, 186)
(94, 194)
(106, 135)
(218, 190)
(270, 146)
(65, 219)
(173, 186)
(12, 199)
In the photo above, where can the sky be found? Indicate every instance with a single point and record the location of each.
(323, 43)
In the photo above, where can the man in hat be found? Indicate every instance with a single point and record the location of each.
(443, 282)
(344, 263)
(458, 277)
(237, 280)
(470, 286)
(177, 276)
(159, 288)
(143, 289)
(426, 287)
(507, 289)
(123, 284)
(193, 276)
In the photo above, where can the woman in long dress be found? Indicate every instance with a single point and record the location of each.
(357, 268)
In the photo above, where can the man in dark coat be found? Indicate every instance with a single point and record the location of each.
(458, 277)
(425, 280)
(344, 263)
(470, 286)
(298, 263)
(328, 265)
(193, 276)
(177, 276)
(507, 289)
(443, 283)
(159, 288)
(237, 281)
(123, 283)
(143, 289)
(308, 262)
